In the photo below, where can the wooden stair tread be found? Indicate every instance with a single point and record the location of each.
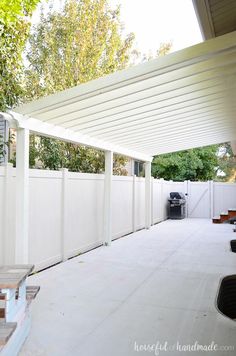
(12, 276)
(216, 220)
(6, 331)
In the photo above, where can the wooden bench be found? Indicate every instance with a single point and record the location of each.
(15, 297)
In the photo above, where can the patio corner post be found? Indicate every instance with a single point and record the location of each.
(64, 214)
(148, 191)
(22, 197)
(108, 197)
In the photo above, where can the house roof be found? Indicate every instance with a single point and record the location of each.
(215, 17)
(183, 100)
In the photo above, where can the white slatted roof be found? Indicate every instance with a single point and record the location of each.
(183, 100)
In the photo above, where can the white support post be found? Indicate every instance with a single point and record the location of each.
(152, 200)
(108, 197)
(22, 197)
(211, 192)
(134, 204)
(8, 231)
(186, 197)
(64, 210)
(162, 203)
(148, 195)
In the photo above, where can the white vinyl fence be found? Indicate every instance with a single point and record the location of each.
(66, 210)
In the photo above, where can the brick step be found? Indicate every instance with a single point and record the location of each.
(216, 220)
(224, 216)
(232, 213)
(6, 331)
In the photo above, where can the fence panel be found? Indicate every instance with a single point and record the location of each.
(224, 197)
(122, 206)
(66, 210)
(84, 212)
(139, 203)
(199, 200)
(157, 204)
(44, 218)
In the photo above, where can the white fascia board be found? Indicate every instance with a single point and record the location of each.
(204, 18)
(58, 132)
(180, 59)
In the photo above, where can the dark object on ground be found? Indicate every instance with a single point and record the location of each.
(232, 220)
(177, 205)
(226, 300)
(233, 245)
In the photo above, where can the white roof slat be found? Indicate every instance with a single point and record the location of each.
(176, 128)
(174, 135)
(163, 120)
(155, 107)
(165, 146)
(158, 101)
(192, 71)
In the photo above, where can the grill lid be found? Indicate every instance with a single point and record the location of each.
(177, 195)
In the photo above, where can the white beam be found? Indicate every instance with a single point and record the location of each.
(147, 195)
(203, 14)
(108, 197)
(22, 196)
(61, 133)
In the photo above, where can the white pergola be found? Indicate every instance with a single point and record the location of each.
(180, 101)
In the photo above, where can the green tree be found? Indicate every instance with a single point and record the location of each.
(54, 154)
(14, 30)
(198, 164)
(226, 163)
(81, 42)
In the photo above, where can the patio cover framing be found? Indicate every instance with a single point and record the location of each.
(183, 100)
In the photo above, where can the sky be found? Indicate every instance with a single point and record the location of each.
(157, 21)
(154, 22)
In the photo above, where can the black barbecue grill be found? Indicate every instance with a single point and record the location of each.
(177, 205)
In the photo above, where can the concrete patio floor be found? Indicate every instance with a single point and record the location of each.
(152, 286)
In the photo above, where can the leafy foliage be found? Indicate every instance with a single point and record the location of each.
(12, 10)
(197, 164)
(80, 43)
(53, 154)
(226, 164)
(14, 29)
(69, 47)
